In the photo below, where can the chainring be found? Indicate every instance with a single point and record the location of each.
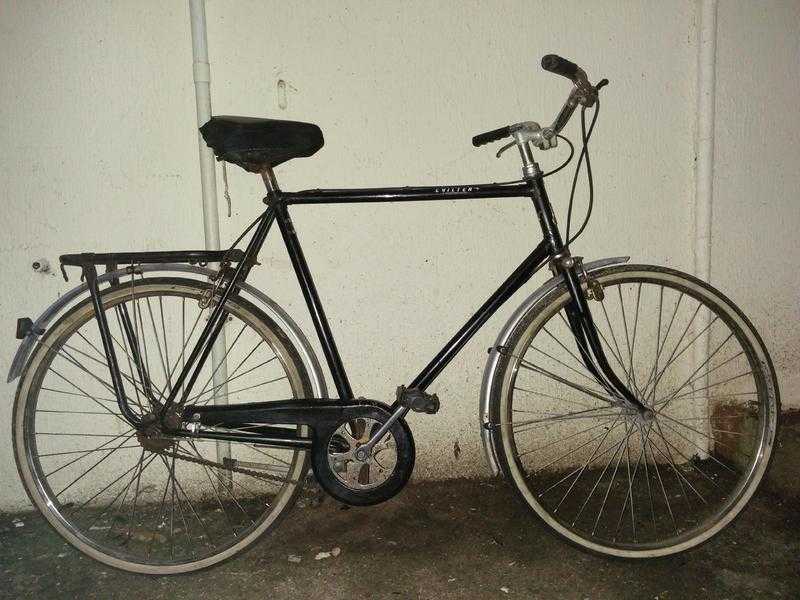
(377, 477)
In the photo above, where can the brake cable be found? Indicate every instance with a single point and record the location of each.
(585, 136)
(566, 162)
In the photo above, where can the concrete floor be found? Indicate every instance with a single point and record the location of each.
(454, 539)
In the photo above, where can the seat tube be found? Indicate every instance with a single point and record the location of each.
(308, 288)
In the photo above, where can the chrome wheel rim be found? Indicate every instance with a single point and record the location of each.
(611, 441)
(191, 498)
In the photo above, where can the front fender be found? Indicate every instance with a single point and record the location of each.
(269, 306)
(490, 452)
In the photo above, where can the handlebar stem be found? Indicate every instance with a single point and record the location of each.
(530, 168)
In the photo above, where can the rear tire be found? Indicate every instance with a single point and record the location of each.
(175, 515)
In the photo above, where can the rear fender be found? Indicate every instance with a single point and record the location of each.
(269, 306)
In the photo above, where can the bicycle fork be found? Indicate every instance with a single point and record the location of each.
(578, 313)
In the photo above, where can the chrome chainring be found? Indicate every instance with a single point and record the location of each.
(370, 479)
(361, 474)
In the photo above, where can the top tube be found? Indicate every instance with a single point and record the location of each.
(513, 189)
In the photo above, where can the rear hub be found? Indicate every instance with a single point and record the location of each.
(152, 435)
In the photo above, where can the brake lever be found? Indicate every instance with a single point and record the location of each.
(543, 138)
(504, 148)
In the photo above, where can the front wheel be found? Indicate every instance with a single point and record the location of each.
(601, 476)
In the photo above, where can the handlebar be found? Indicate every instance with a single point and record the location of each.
(491, 136)
(583, 93)
(560, 66)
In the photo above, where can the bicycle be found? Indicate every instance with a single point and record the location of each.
(637, 428)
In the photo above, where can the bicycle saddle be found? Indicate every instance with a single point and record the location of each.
(255, 144)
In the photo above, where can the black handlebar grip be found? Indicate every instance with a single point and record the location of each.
(491, 136)
(559, 66)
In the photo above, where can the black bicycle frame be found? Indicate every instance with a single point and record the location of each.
(550, 250)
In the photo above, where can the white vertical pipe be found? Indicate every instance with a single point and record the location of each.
(704, 168)
(704, 136)
(208, 181)
(202, 88)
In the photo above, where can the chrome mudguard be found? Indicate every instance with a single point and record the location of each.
(490, 452)
(269, 306)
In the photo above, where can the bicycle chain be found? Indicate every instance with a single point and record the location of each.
(211, 463)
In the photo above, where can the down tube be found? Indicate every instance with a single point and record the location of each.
(516, 280)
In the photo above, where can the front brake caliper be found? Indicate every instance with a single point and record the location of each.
(594, 289)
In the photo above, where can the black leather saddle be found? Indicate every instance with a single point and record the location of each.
(255, 144)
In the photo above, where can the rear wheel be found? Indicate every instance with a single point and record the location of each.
(601, 476)
(151, 503)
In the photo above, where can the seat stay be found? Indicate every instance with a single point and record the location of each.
(194, 363)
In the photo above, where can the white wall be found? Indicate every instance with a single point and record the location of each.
(757, 174)
(97, 114)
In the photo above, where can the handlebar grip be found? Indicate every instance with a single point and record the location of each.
(559, 66)
(491, 136)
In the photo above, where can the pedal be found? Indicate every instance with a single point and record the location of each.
(417, 400)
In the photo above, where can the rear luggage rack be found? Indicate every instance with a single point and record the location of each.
(112, 259)
(172, 256)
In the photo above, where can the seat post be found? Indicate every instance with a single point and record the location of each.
(269, 180)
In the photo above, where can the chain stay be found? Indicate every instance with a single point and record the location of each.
(211, 463)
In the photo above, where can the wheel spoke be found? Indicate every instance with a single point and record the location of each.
(551, 397)
(566, 366)
(663, 341)
(225, 487)
(611, 459)
(537, 369)
(245, 389)
(88, 395)
(670, 398)
(705, 435)
(691, 379)
(614, 339)
(232, 375)
(90, 469)
(629, 370)
(223, 361)
(100, 362)
(562, 440)
(582, 468)
(661, 484)
(678, 474)
(101, 448)
(610, 483)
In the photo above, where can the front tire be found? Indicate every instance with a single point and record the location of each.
(600, 477)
